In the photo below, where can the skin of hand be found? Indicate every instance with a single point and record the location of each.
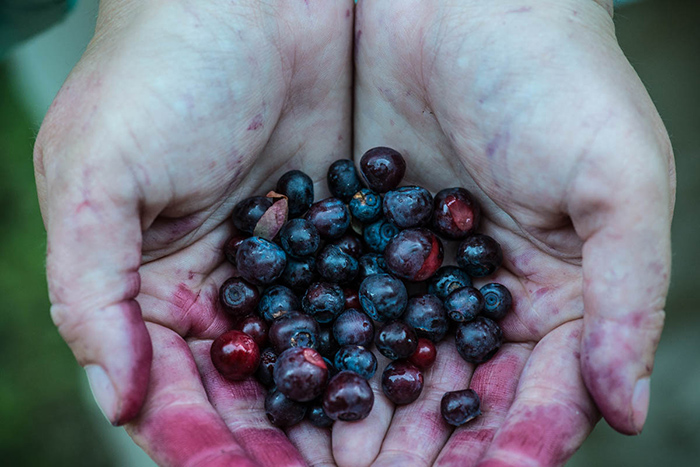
(533, 107)
(177, 111)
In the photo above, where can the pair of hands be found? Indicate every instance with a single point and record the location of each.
(180, 109)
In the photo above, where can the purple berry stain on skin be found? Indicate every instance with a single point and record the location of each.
(256, 123)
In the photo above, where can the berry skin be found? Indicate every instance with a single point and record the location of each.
(457, 213)
(478, 340)
(333, 264)
(497, 301)
(317, 416)
(378, 235)
(382, 168)
(238, 297)
(299, 238)
(459, 407)
(425, 354)
(256, 328)
(294, 329)
(260, 262)
(383, 297)
(323, 301)
(366, 206)
(446, 280)
(408, 206)
(268, 359)
(357, 359)
(348, 397)
(464, 304)
(300, 374)
(282, 411)
(352, 298)
(479, 255)
(299, 190)
(427, 315)
(330, 217)
(299, 274)
(231, 247)
(248, 212)
(396, 340)
(327, 345)
(402, 382)
(235, 355)
(276, 301)
(414, 254)
(353, 327)
(343, 181)
(371, 263)
(350, 244)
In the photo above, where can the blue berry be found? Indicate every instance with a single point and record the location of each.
(299, 238)
(330, 217)
(427, 315)
(357, 359)
(446, 280)
(300, 374)
(464, 304)
(350, 244)
(276, 301)
(378, 235)
(366, 206)
(238, 297)
(414, 254)
(479, 340)
(353, 327)
(294, 329)
(408, 206)
(333, 264)
(299, 274)
(343, 181)
(497, 300)
(299, 190)
(259, 261)
(459, 407)
(383, 297)
(248, 212)
(282, 411)
(323, 301)
(479, 255)
(317, 416)
(371, 263)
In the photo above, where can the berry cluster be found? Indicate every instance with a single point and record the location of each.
(321, 282)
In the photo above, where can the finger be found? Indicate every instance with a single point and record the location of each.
(552, 413)
(358, 443)
(625, 224)
(418, 431)
(93, 256)
(241, 405)
(495, 382)
(313, 443)
(178, 426)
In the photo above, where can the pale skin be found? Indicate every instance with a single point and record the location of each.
(159, 131)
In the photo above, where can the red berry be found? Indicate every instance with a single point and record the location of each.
(425, 354)
(352, 299)
(235, 355)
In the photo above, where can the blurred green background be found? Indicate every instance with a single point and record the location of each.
(46, 417)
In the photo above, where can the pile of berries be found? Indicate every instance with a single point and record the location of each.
(320, 282)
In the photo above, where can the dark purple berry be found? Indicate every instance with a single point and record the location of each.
(235, 355)
(457, 213)
(497, 300)
(383, 297)
(268, 359)
(446, 280)
(414, 254)
(294, 329)
(478, 340)
(300, 374)
(323, 301)
(282, 411)
(366, 206)
(402, 382)
(256, 328)
(357, 359)
(248, 212)
(318, 417)
(343, 181)
(231, 247)
(299, 238)
(348, 397)
(459, 407)
(369, 264)
(427, 315)
(259, 261)
(333, 264)
(382, 168)
(479, 255)
(299, 274)
(299, 190)
(352, 298)
(425, 354)
(464, 304)
(330, 217)
(353, 327)
(408, 206)
(378, 235)
(276, 301)
(327, 345)
(238, 297)
(350, 244)
(396, 340)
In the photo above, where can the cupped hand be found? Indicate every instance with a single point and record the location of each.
(177, 111)
(533, 107)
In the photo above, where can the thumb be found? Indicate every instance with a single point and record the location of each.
(93, 257)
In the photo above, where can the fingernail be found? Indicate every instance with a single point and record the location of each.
(640, 403)
(102, 390)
